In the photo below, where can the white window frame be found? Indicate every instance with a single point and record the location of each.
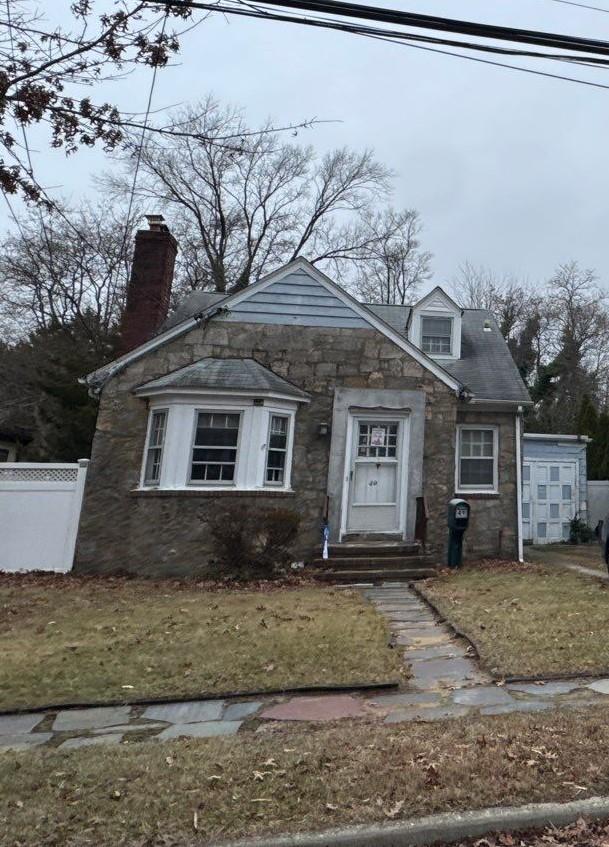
(252, 444)
(477, 489)
(272, 483)
(447, 354)
(144, 483)
(214, 483)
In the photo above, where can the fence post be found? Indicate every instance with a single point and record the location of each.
(81, 478)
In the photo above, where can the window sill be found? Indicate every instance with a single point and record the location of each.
(477, 495)
(211, 492)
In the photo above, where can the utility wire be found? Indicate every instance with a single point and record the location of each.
(581, 5)
(379, 34)
(141, 144)
(431, 22)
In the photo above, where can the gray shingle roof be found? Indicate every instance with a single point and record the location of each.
(223, 374)
(486, 365)
(192, 304)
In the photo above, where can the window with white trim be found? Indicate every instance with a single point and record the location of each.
(154, 451)
(277, 450)
(241, 443)
(477, 458)
(436, 335)
(214, 451)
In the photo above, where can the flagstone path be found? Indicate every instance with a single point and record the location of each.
(446, 682)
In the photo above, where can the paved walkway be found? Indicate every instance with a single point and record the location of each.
(446, 682)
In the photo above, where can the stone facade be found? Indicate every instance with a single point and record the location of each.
(165, 532)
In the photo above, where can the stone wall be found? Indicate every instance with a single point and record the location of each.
(164, 533)
(493, 517)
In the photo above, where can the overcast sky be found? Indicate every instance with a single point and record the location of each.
(506, 169)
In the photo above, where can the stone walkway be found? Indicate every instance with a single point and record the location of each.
(446, 682)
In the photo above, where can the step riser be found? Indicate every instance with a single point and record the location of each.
(339, 551)
(376, 576)
(376, 563)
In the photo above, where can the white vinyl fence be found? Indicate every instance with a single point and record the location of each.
(39, 513)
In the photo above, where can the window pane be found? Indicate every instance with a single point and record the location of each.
(214, 454)
(526, 511)
(437, 326)
(477, 472)
(554, 474)
(277, 449)
(526, 473)
(566, 531)
(154, 453)
(566, 492)
(477, 442)
(436, 335)
(541, 530)
(542, 492)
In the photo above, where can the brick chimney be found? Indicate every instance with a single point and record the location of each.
(149, 287)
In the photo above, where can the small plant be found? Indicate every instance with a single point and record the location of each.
(579, 531)
(253, 543)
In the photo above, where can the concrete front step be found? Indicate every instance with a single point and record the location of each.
(363, 563)
(374, 549)
(376, 575)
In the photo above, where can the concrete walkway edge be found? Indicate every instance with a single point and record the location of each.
(443, 828)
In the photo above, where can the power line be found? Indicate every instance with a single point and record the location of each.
(141, 144)
(581, 5)
(396, 37)
(430, 22)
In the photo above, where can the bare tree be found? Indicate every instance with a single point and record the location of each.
(243, 210)
(59, 273)
(393, 265)
(511, 301)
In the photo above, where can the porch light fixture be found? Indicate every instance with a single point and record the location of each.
(323, 429)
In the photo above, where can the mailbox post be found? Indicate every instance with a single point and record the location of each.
(458, 519)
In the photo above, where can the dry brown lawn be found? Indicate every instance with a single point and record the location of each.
(69, 640)
(584, 555)
(528, 620)
(310, 778)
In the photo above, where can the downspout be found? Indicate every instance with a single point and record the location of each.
(518, 432)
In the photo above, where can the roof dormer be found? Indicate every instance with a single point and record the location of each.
(435, 325)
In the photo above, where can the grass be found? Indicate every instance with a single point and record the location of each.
(64, 639)
(585, 555)
(204, 791)
(528, 620)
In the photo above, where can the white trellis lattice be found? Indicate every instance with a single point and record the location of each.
(25, 474)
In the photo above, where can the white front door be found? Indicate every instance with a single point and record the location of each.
(549, 499)
(377, 475)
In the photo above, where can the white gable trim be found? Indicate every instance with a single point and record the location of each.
(103, 374)
(437, 290)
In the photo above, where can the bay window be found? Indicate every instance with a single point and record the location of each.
(217, 442)
(477, 459)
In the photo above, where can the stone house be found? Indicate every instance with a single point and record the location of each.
(291, 393)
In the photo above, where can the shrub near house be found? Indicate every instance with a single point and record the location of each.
(292, 395)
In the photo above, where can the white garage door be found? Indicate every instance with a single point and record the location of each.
(39, 514)
(549, 500)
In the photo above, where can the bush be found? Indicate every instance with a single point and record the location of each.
(253, 543)
(579, 531)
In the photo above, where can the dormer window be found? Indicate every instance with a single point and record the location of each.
(435, 325)
(436, 335)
